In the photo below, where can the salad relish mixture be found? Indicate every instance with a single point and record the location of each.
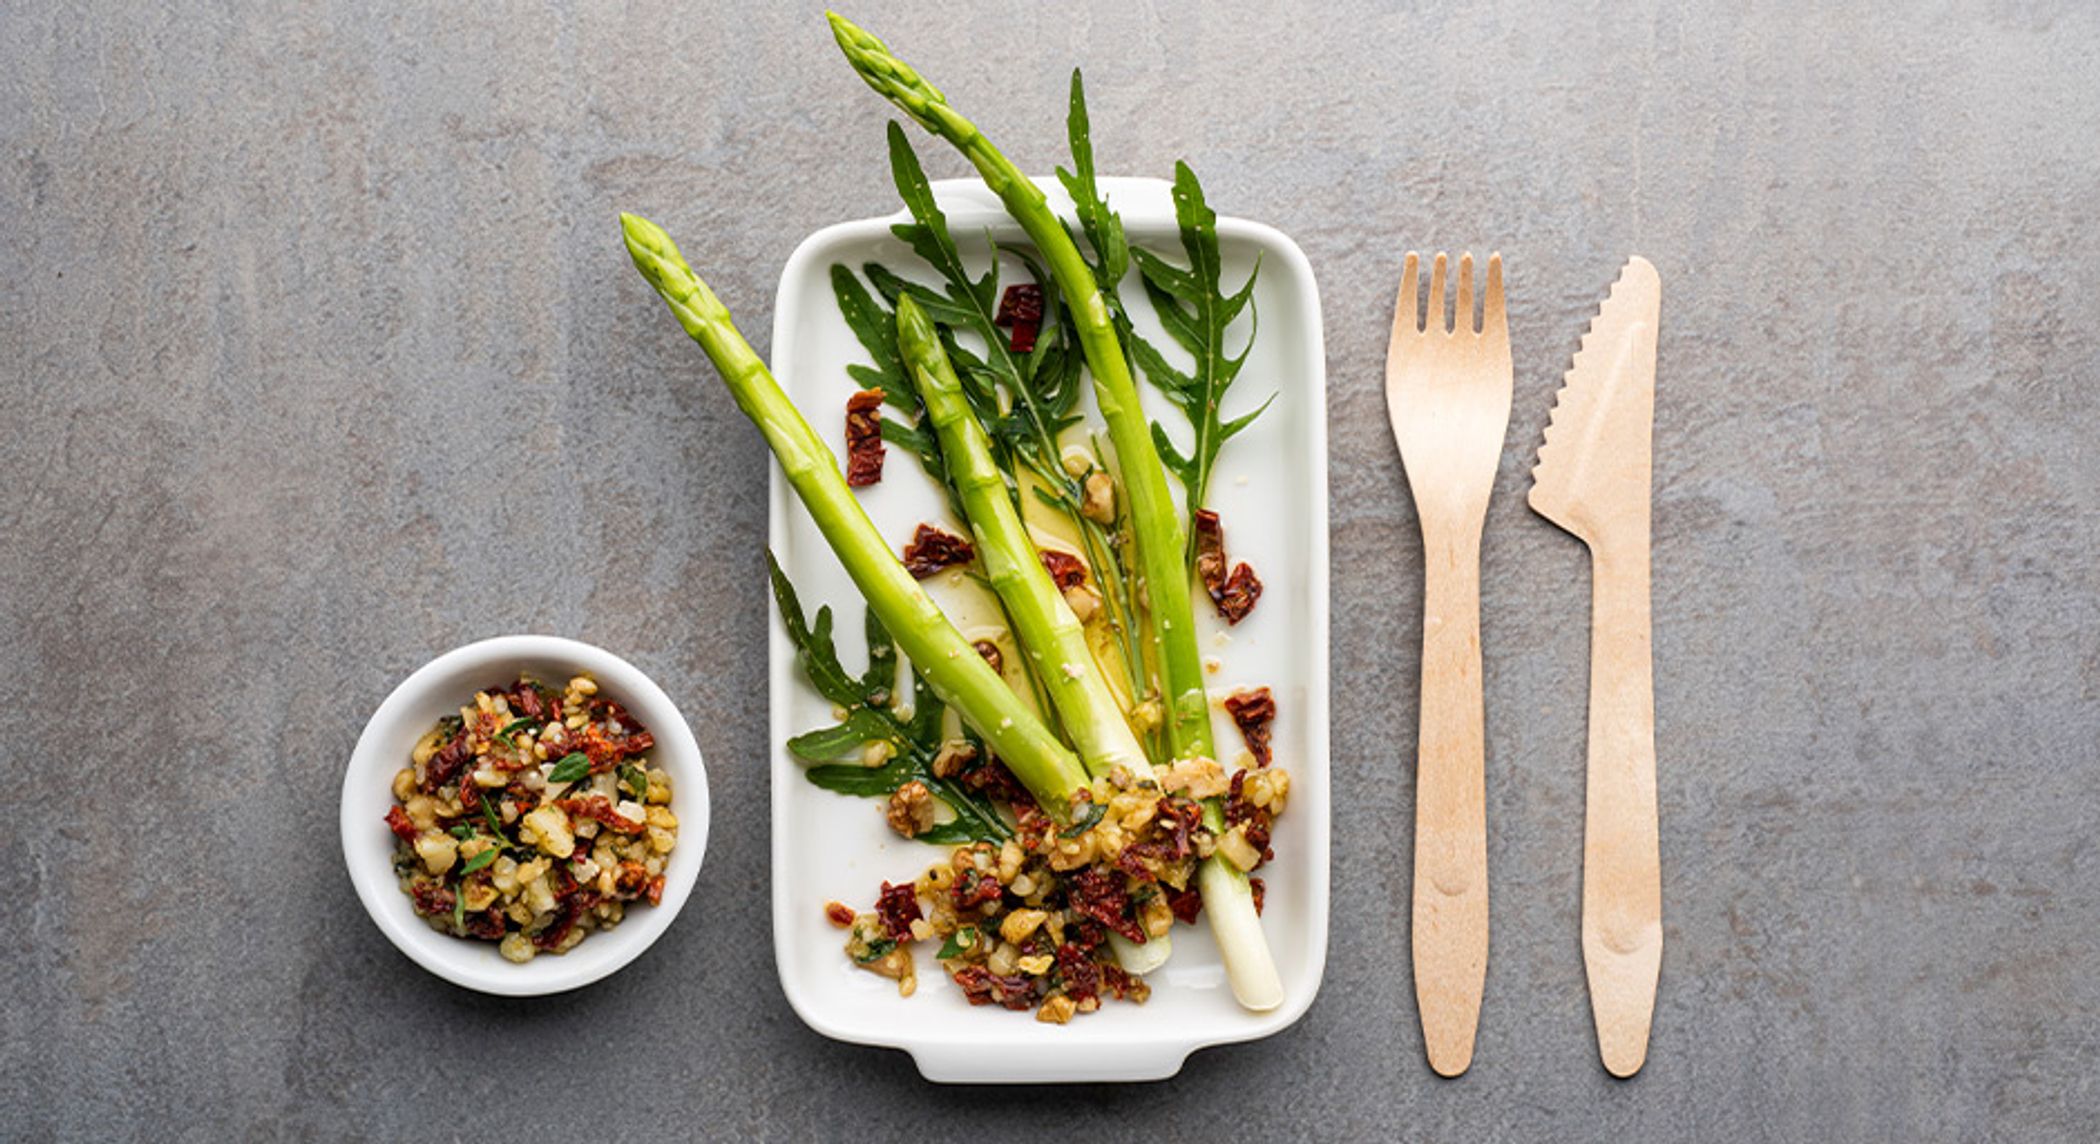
(532, 818)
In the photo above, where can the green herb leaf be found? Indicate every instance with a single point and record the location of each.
(813, 647)
(481, 860)
(876, 950)
(1103, 228)
(461, 832)
(864, 781)
(636, 779)
(1084, 820)
(958, 943)
(459, 910)
(1196, 311)
(572, 766)
(515, 726)
(495, 820)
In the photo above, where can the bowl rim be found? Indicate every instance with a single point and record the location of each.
(368, 859)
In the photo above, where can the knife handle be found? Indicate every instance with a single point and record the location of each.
(1621, 855)
(1450, 882)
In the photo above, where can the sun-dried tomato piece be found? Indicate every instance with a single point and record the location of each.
(1066, 570)
(1102, 896)
(1021, 309)
(599, 809)
(839, 914)
(1261, 893)
(1120, 983)
(1253, 711)
(1253, 821)
(431, 900)
(1186, 904)
(1178, 817)
(898, 907)
(486, 925)
(933, 550)
(632, 877)
(445, 765)
(566, 912)
(397, 821)
(1077, 972)
(655, 892)
(974, 888)
(991, 779)
(981, 986)
(1233, 594)
(526, 700)
(864, 438)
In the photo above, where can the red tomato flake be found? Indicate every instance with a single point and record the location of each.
(397, 821)
(450, 759)
(839, 914)
(600, 809)
(1066, 570)
(1078, 972)
(981, 986)
(1102, 897)
(864, 438)
(974, 888)
(1186, 905)
(1253, 711)
(1232, 594)
(934, 550)
(1261, 893)
(898, 907)
(1021, 310)
(655, 893)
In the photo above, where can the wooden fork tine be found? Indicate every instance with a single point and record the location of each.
(1462, 315)
(1406, 313)
(1434, 321)
(1494, 320)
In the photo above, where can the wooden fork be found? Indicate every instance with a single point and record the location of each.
(1447, 388)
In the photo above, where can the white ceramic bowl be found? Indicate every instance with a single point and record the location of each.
(439, 688)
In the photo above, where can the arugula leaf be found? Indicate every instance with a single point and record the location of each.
(480, 860)
(1196, 312)
(850, 778)
(872, 714)
(958, 943)
(813, 647)
(1103, 228)
(572, 766)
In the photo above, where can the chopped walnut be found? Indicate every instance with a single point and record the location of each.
(1100, 503)
(1202, 778)
(911, 809)
(1083, 602)
(954, 756)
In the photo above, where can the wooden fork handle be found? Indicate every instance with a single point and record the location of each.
(1621, 854)
(1450, 882)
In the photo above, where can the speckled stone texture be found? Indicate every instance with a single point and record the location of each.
(321, 355)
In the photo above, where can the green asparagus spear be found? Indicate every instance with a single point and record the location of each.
(1050, 635)
(1227, 898)
(1154, 519)
(937, 651)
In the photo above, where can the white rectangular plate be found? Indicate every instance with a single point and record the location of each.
(1270, 489)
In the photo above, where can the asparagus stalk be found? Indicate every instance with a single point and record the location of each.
(1156, 523)
(937, 651)
(1050, 635)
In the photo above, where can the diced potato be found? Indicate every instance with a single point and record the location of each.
(517, 947)
(548, 828)
(438, 851)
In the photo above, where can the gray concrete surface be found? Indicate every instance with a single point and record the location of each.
(274, 277)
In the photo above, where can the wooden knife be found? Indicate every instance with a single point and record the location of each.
(1593, 479)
